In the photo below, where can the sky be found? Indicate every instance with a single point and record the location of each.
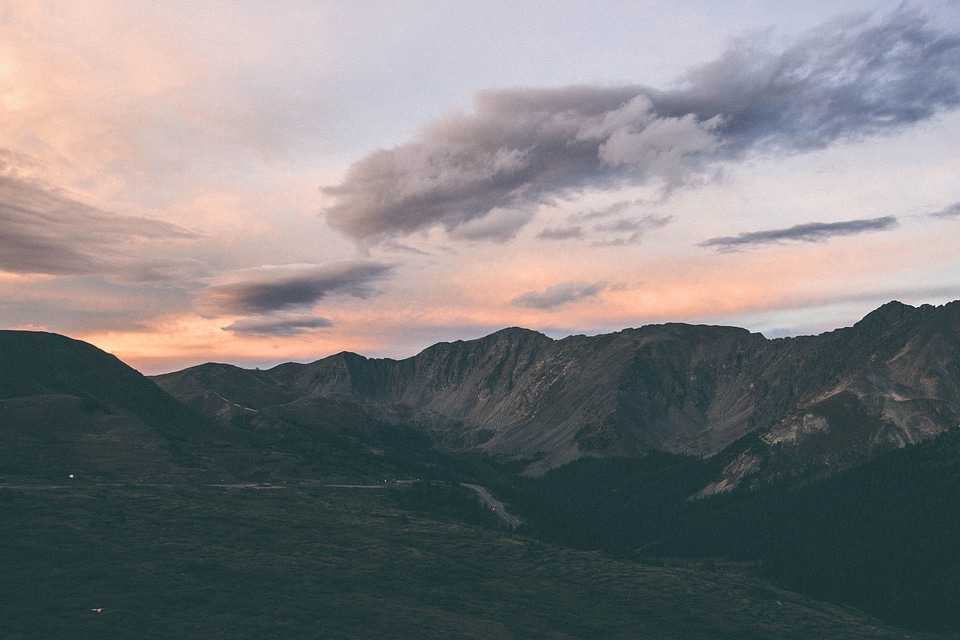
(262, 182)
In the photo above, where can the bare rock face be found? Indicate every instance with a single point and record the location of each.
(817, 403)
(888, 381)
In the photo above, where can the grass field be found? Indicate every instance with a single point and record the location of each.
(145, 563)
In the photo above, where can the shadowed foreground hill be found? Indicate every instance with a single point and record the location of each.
(34, 363)
(67, 407)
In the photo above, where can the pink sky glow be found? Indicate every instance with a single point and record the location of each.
(256, 183)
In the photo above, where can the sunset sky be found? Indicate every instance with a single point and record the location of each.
(260, 182)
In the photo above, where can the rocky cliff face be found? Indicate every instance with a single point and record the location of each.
(832, 401)
(815, 401)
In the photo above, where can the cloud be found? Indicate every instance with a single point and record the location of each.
(853, 78)
(282, 326)
(164, 270)
(558, 295)
(561, 233)
(635, 136)
(43, 231)
(617, 208)
(499, 225)
(618, 225)
(267, 289)
(393, 245)
(953, 211)
(630, 230)
(809, 232)
(521, 147)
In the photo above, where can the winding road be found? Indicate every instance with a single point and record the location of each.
(506, 517)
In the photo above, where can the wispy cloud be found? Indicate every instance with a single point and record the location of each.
(263, 290)
(558, 295)
(617, 224)
(626, 231)
(524, 146)
(561, 233)
(44, 231)
(617, 208)
(953, 211)
(809, 232)
(499, 225)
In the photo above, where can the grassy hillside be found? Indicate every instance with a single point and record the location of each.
(143, 563)
(67, 407)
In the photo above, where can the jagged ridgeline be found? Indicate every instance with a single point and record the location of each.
(814, 403)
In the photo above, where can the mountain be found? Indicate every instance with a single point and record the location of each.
(891, 380)
(614, 435)
(67, 408)
(810, 404)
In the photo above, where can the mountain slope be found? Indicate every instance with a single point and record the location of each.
(832, 401)
(836, 398)
(67, 407)
(70, 409)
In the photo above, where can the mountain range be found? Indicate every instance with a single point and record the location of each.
(830, 462)
(804, 406)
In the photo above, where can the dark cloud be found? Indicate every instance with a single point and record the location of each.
(268, 289)
(278, 326)
(953, 211)
(43, 231)
(524, 146)
(809, 232)
(520, 147)
(558, 295)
